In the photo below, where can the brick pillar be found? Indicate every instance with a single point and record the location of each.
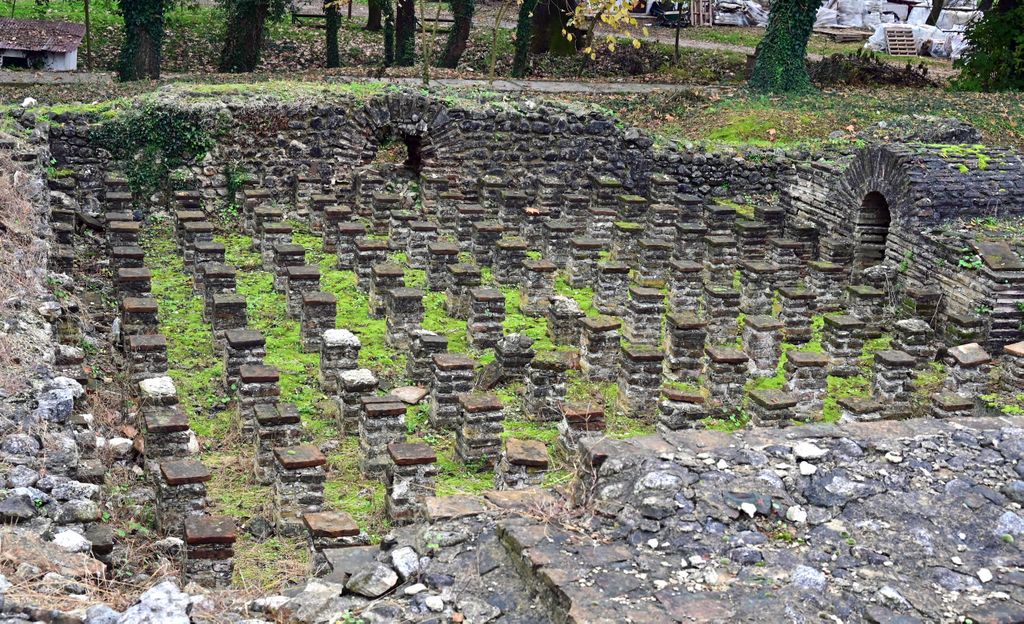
(166, 433)
(421, 235)
(757, 287)
(579, 421)
(828, 281)
(967, 370)
(486, 317)
(507, 261)
(302, 280)
(423, 345)
(626, 237)
(241, 347)
(468, 216)
(681, 409)
(298, 487)
(333, 217)
(440, 255)
(867, 303)
(217, 279)
(684, 348)
(410, 479)
(400, 229)
(328, 531)
(537, 286)
(661, 222)
(180, 493)
(123, 233)
(349, 232)
(611, 287)
(722, 308)
(522, 465)
(639, 380)
(720, 260)
(382, 423)
(915, 337)
(545, 385)
(563, 321)
(655, 255)
(485, 238)
(368, 252)
(843, 341)
(575, 209)
(921, 302)
(1013, 366)
(384, 278)
(762, 342)
(690, 246)
(157, 391)
(785, 252)
(273, 234)
(208, 252)
(286, 255)
(510, 209)
(339, 352)
(951, 405)
(599, 347)
(147, 356)
(644, 309)
(133, 282)
(726, 376)
(181, 217)
(127, 257)
(353, 386)
(263, 216)
(381, 207)
(720, 219)
(453, 374)
(209, 550)
(404, 315)
(893, 381)
(513, 355)
(319, 311)
(251, 200)
(772, 408)
(257, 385)
(599, 224)
(860, 409)
(277, 425)
(478, 438)
(229, 311)
(797, 310)
(807, 379)
(138, 317)
(961, 329)
(557, 233)
(751, 238)
(582, 265)
(685, 287)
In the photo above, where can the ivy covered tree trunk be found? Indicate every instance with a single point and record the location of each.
(333, 22)
(373, 17)
(143, 38)
(388, 17)
(521, 61)
(995, 59)
(550, 18)
(780, 66)
(405, 33)
(245, 30)
(462, 10)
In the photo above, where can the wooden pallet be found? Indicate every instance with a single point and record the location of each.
(702, 13)
(899, 41)
(843, 35)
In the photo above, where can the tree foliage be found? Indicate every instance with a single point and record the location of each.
(780, 66)
(246, 25)
(143, 38)
(995, 60)
(612, 14)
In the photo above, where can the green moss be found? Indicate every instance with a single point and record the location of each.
(841, 388)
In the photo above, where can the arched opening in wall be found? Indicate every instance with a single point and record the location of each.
(871, 230)
(401, 153)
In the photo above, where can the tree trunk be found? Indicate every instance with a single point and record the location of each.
(462, 10)
(780, 66)
(333, 20)
(246, 22)
(550, 18)
(388, 15)
(933, 15)
(143, 37)
(523, 35)
(405, 33)
(373, 19)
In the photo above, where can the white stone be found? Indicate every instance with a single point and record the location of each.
(412, 590)
(71, 542)
(434, 603)
(796, 514)
(157, 388)
(652, 543)
(984, 575)
(660, 584)
(807, 469)
(340, 338)
(748, 508)
(806, 450)
(120, 447)
(360, 376)
(722, 464)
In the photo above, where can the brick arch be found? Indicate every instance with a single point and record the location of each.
(419, 121)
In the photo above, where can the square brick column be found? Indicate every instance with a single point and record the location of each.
(599, 224)
(563, 320)
(967, 370)
(644, 310)
(353, 385)
(537, 286)
(797, 311)
(333, 217)
(319, 313)
(209, 550)
(921, 302)
(485, 239)
(133, 282)
(381, 207)
(217, 279)
(807, 378)
(599, 347)
(486, 317)
(147, 356)
(726, 376)
(786, 253)
(720, 260)
(382, 423)
(507, 260)
(951, 405)
(123, 233)
(720, 219)
(663, 188)
(511, 208)
(690, 245)
(522, 465)
(893, 382)
(828, 281)
(626, 237)
(339, 352)
(262, 217)
(478, 438)
(272, 234)
(685, 287)
(404, 315)
(277, 425)
(298, 487)
(166, 433)
(654, 257)
(868, 304)
(241, 347)
(751, 238)
(257, 385)
(302, 280)
(557, 233)
(328, 530)
(843, 340)
(180, 493)
(579, 420)
(860, 409)
(772, 408)
(611, 287)
(915, 337)
(251, 200)
(961, 329)
(757, 286)
(722, 310)
(463, 278)
(385, 277)
(440, 255)
(369, 253)
(684, 348)
(1012, 366)
(453, 374)
(286, 255)
(410, 479)
(639, 380)
(157, 392)
(575, 209)
(181, 217)
(349, 232)
(318, 205)
(661, 222)
(423, 345)
(681, 409)
(584, 254)
(762, 342)
(545, 386)
(193, 233)
(228, 311)
(400, 228)
(127, 257)
(513, 355)
(468, 215)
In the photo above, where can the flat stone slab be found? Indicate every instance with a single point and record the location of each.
(210, 530)
(998, 255)
(345, 562)
(726, 355)
(164, 419)
(530, 453)
(258, 373)
(411, 453)
(244, 338)
(330, 524)
(410, 395)
(970, 355)
(298, 457)
(452, 507)
(184, 472)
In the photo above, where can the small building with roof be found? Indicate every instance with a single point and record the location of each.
(39, 44)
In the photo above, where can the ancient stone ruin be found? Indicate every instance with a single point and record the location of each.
(408, 357)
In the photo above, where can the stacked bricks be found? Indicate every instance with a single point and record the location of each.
(277, 425)
(538, 286)
(1013, 366)
(217, 279)
(611, 287)
(301, 280)
(319, 204)
(382, 205)
(522, 465)
(868, 304)
(681, 409)
(133, 282)
(511, 208)
(644, 309)
(722, 307)
(463, 280)
(961, 329)
(893, 382)
(286, 255)
(138, 316)
(807, 379)
(557, 233)
(685, 287)
(513, 355)
(328, 530)
(228, 311)
(349, 233)
(785, 253)
(860, 409)
(478, 437)
(440, 255)
(193, 232)
(915, 337)
(921, 302)
(726, 376)
(273, 234)
(772, 407)
(720, 219)
(599, 347)
(468, 216)
(582, 265)
(661, 223)
(410, 479)
(263, 217)
(579, 420)
(720, 259)
(545, 386)
(486, 317)
(599, 224)
(257, 385)
(507, 265)
(298, 487)
(485, 238)
(167, 435)
(563, 316)
(404, 315)
(690, 245)
(127, 257)
(147, 356)
(575, 208)
(951, 405)
(384, 278)
(421, 235)
(242, 347)
(843, 341)
(797, 310)
(400, 229)
(209, 550)
(382, 422)
(339, 352)
(639, 379)
(626, 237)
(684, 349)
(319, 311)
(423, 345)
(453, 375)
(757, 285)
(251, 200)
(157, 391)
(353, 386)
(180, 492)
(369, 252)
(334, 216)
(828, 282)
(206, 252)
(762, 342)
(968, 367)
(752, 238)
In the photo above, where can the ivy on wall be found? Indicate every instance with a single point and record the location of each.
(143, 39)
(780, 65)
